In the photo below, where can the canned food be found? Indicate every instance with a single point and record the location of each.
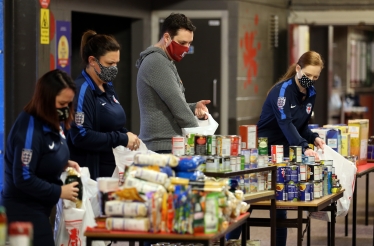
(246, 153)
(327, 162)
(317, 193)
(296, 154)
(292, 191)
(308, 159)
(305, 191)
(211, 145)
(21, 233)
(200, 144)
(233, 163)
(253, 185)
(281, 174)
(315, 172)
(211, 164)
(223, 146)
(239, 163)
(246, 184)
(261, 181)
(280, 194)
(235, 145)
(177, 145)
(262, 161)
(253, 155)
(227, 163)
(263, 146)
(277, 153)
(190, 144)
(293, 173)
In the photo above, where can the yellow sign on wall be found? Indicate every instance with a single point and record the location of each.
(44, 26)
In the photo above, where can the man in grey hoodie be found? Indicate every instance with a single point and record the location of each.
(163, 107)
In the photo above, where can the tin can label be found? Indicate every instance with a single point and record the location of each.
(212, 164)
(309, 159)
(200, 145)
(223, 146)
(293, 173)
(190, 144)
(305, 190)
(263, 146)
(315, 172)
(211, 145)
(295, 154)
(280, 194)
(317, 189)
(292, 191)
(234, 150)
(178, 146)
(226, 161)
(277, 153)
(281, 174)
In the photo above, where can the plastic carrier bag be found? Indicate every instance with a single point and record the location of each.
(206, 127)
(346, 173)
(124, 157)
(71, 222)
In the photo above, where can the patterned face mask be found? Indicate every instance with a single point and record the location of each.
(63, 113)
(108, 74)
(305, 81)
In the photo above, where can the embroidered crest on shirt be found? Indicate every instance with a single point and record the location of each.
(26, 156)
(281, 102)
(114, 99)
(79, 118)
(308, 108)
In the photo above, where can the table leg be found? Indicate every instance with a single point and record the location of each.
(222, 241)
(333, 217)
(328, 233)
(273, 223)
(299, 226)
(367, 200)
(354, 214)
(88, 241)
(346, 225)
(309, 221)
(244, 234)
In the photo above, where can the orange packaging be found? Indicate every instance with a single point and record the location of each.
(248, 134)
(359, 131)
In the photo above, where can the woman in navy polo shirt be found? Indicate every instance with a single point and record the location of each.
(99, 124)
(37, 153)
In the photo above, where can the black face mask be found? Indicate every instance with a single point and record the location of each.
(63, 113)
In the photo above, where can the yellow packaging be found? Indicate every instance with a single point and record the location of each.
(342, 128)
(346, 144)
(359, 130)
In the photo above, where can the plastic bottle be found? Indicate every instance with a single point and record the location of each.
(3, 226)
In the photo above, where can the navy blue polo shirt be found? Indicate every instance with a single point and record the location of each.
(98, 125)
(285, 116)
(35, 157)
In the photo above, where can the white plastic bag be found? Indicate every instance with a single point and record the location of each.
(346, 173)
(206, 127)
(124, 157)
(71, 222)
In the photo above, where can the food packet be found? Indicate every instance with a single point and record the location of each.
(189, 164)
(125, 209)
(127, 224)
(74, 176)
(143, 186)
(129, 193)
(154, 208)
(211, 216)
(156, 159)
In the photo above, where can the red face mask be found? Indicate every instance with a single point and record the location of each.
(177, 51)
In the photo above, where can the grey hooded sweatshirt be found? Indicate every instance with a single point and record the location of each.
(163, 107)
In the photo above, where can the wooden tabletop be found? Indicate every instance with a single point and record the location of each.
(317, 204)
(106, 234)
(364, 169)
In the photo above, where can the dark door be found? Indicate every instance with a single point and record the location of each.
(200, 70)
(103, 24)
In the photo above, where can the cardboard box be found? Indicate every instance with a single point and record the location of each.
(346, 144)
(359, 130)
(248, 134)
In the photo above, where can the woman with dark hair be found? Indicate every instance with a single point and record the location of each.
(286, 113)
(37, 153)
(99, 119)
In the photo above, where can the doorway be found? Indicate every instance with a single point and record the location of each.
(204, 71)
(120, 28)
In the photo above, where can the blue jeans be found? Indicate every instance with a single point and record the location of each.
(281, 233)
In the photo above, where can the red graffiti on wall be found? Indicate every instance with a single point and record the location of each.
(249, 53)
